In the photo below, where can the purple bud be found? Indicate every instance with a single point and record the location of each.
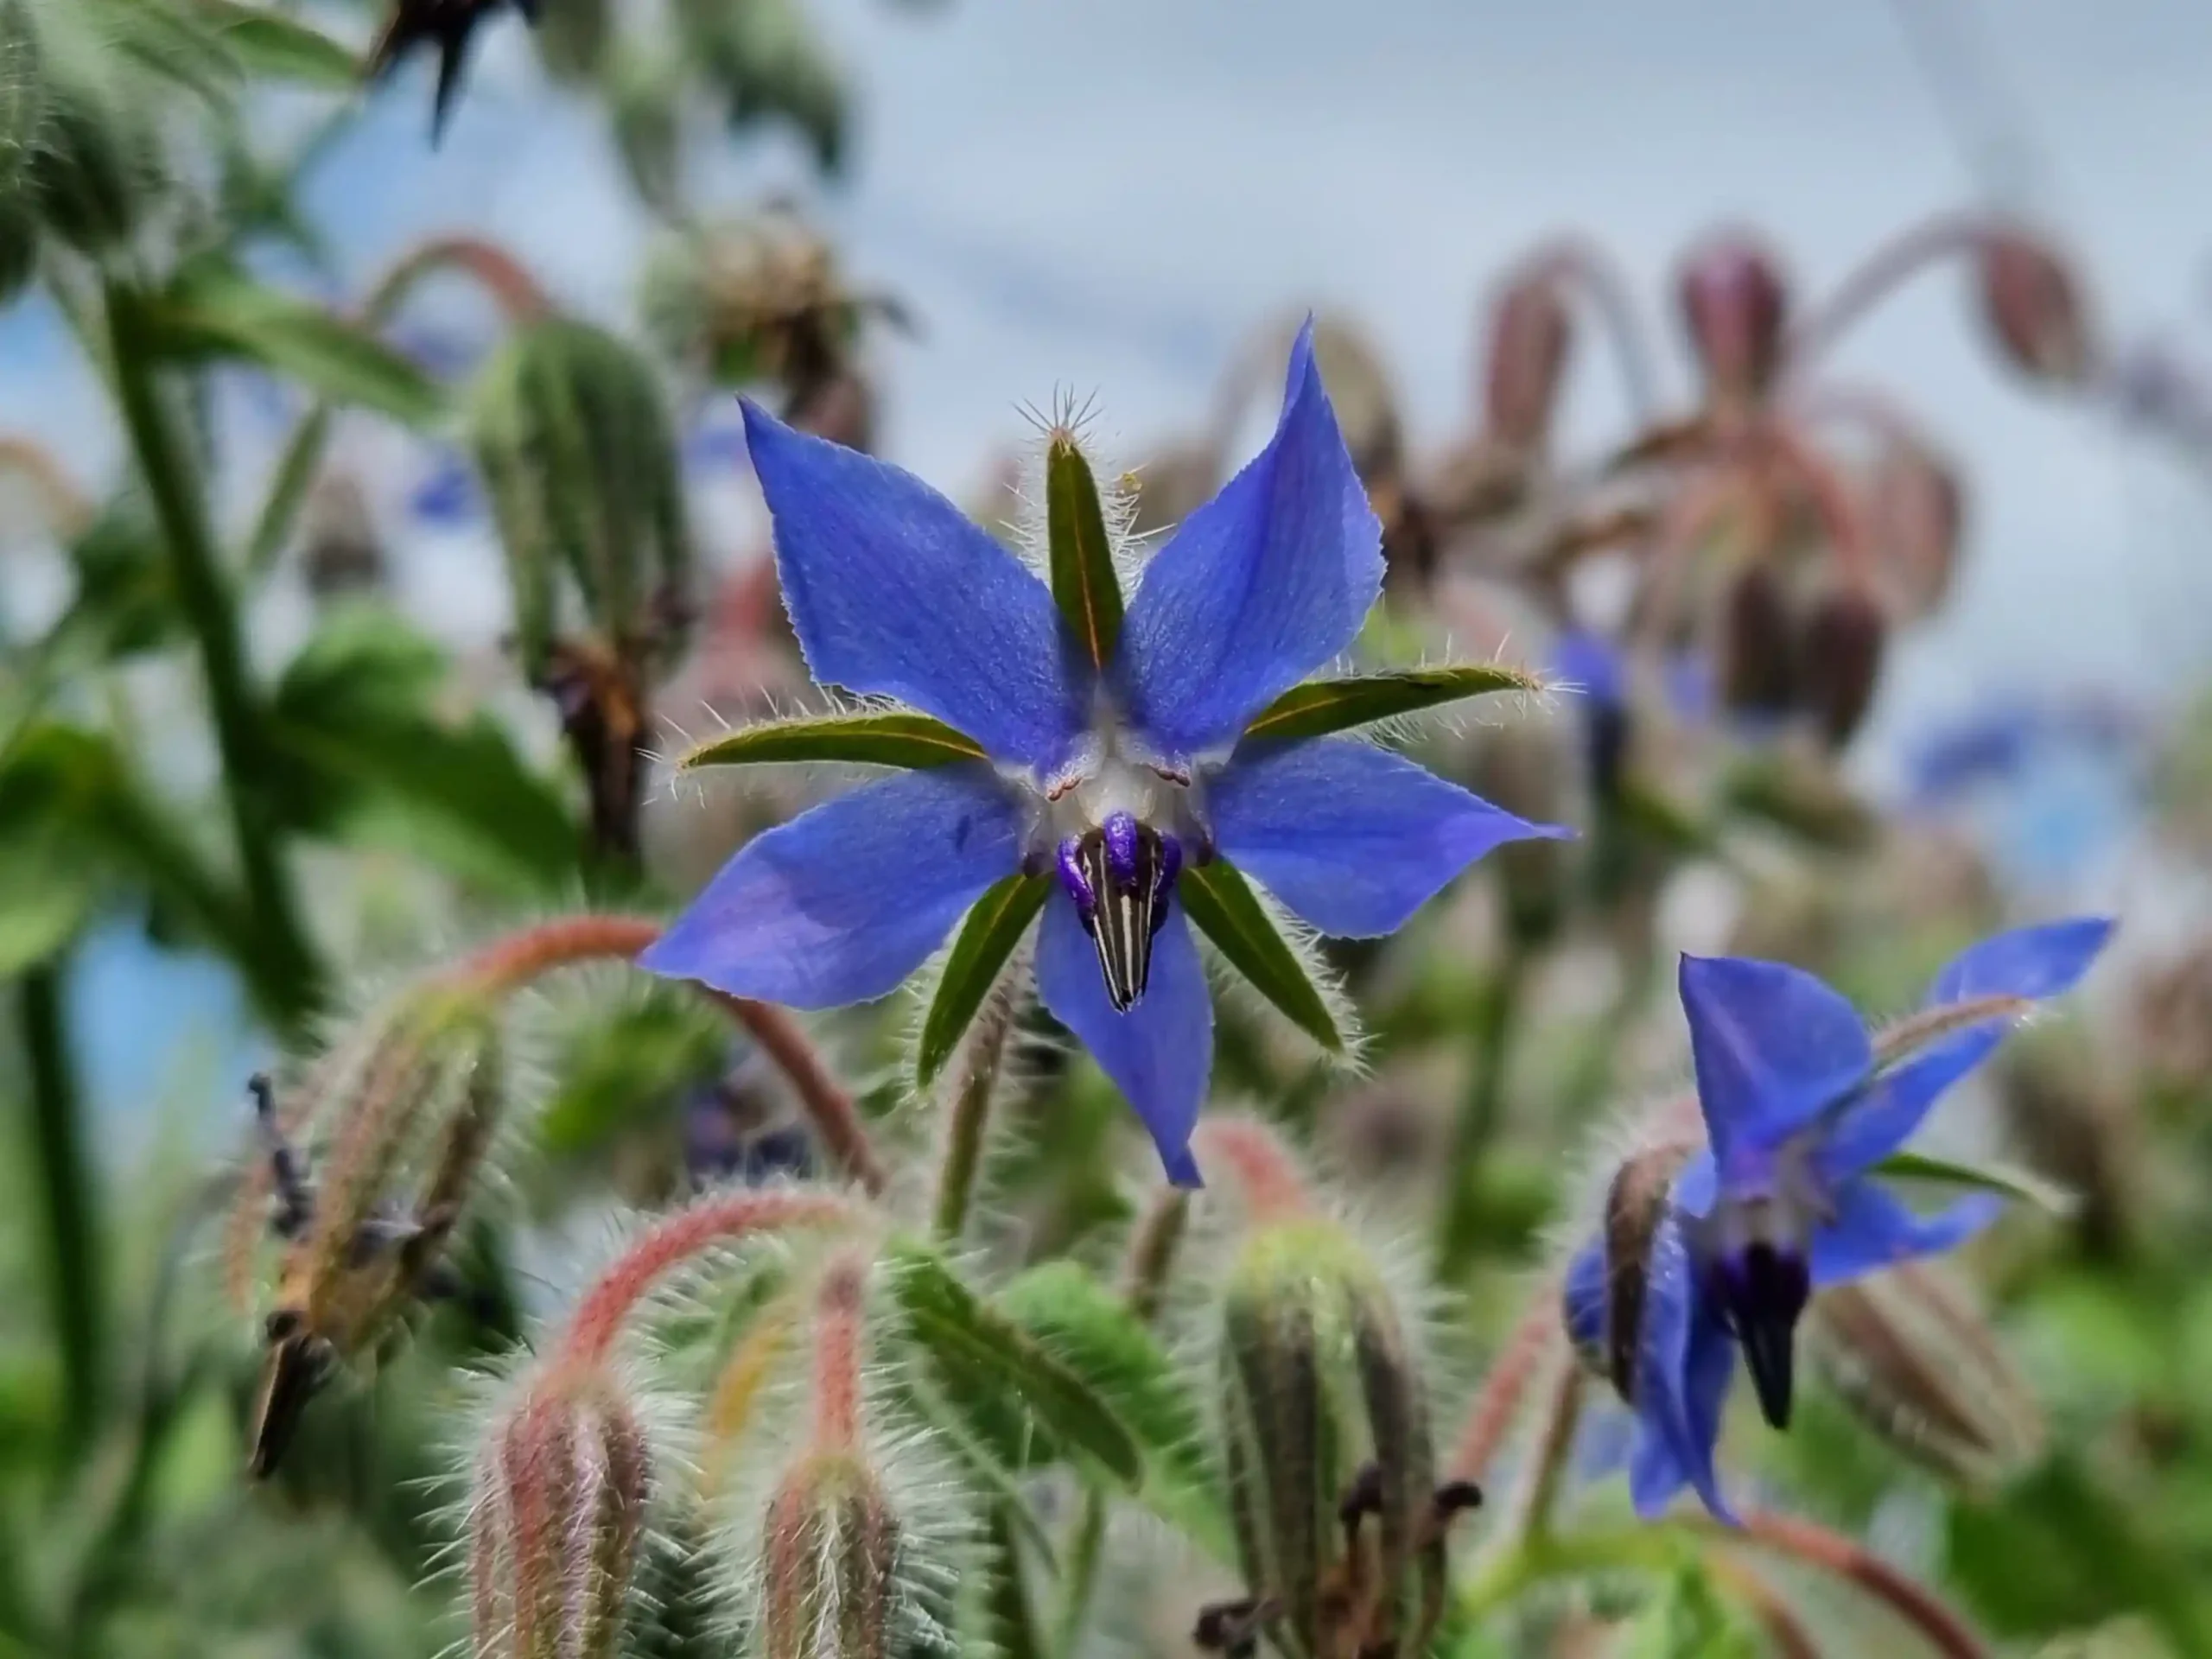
(1840, 662)
(1916, 514)
(1757, 657)
(1530, 330)
(2032, 305)
(1733, 303)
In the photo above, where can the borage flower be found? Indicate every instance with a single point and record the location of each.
(1112, 767)
(1802, 1109)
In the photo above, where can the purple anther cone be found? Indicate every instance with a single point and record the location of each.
(1121, 831)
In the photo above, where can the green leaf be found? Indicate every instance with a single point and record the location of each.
(887, 738)
(987, 938)
(1225, 908)
(1320, 707)
(979, 1351)
(1084, 583)
(273, 47)
(211, 308)
(2016, 1184)
(367, 751)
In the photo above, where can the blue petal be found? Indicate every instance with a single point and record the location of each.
(1586, 662)
(1352, 838)
(1697, 1185)
(1582, 1298)
(1685, 1361)
(1872, 1230)
(1263, 585)
(2030, 962)
(844, 901)
(893, 594)
(1159, 1054)
(1772, 1046)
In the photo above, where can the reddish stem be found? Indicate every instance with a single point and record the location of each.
(838, 1334)
(499, 272)
(1275, 1187)
(1591, 268)
(1490, 1418)
(1886, 269)
(600, 1316)
(1852, 1562)
(505, 966)
(1838, 513)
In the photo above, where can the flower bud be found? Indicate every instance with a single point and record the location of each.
(1733, 303)
(1758, 664)
(554, 1523)
(1605, 1330)
(1530, 330)
(578, 456)
(1840, 662)
(1916, 512)
(2033, 307)
(829, 1562)
(1915, 1361)
(1325, 1435)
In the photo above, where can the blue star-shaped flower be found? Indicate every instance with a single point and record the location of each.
(1115, 779)
(1782, 1200)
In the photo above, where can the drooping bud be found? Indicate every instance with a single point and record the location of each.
(1531, 330)
(1839, 663)
(1916, 1362)
(1759, 667)
(2033, 307)
(1916, 516)
(1326, 1441)
(1607, 1330)
(556, 1520)
(1733, 305)
(829, 1562)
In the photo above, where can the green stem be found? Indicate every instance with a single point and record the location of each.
(64, 1189)
(211, 610)
(1081, 1570)
(977, 1078)
(1480, 1109)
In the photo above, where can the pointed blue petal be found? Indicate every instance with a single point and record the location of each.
(1582, 1298)
(1697, 1185)
(1684, 1363)
(1263, 585)
(1872, 1230)
(1591, 666)
(1772, 1046)
(2029, 961)
(893, 594)
(1352, 838)
(844, 901)
(1159, 1054)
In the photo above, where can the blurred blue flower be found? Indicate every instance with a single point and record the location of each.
(449, 496)
(1108, 780)
(1782, 1200)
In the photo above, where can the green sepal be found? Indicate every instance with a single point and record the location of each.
(1320, 707)
(987, 938)
(1223, 906)
(275, 47)
(1085, 586)
(884, 737)
(2016, 1185)
(983, 1357)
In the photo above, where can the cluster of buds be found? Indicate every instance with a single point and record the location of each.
(1325, 1425)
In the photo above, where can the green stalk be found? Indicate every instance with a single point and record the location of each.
(65, 1189)
(977, 1078)
(211, 610)
(1491, 1041)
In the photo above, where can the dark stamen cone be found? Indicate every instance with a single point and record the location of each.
(1121, 877)
(1762, 1290)
(1733, 303)
(2033, 307)
(1758, 655)
(1839, 664)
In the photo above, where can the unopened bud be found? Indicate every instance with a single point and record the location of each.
(1530, 330)
(1325, 1423)
(573, 440)
(1733, 303)
(829, 1562)
(1840, 662)
(1758, 664)
(1916, 514)
(555, 1520)
(1916, 1362)
(1607, 1327)
(2033, 305)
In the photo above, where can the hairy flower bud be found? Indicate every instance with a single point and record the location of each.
(1839, 663)
(1757, 657)
(97, 168)
(1325, 1435)
(1733, 303)
(555, 1521)
(2033, 307)
(829, 1562)
(1530, 332)
(1916, 516)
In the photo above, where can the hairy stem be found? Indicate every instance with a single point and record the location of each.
(1535, 1336)
(977, 1080)
(1849, 1560)
(1491, 1041)
(65, 1188)
(211, 611)
(1547, 1454)
(1273, 1186)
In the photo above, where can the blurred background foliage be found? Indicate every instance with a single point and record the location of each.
(228, 736)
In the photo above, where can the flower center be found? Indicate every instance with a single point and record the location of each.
(1120, 875)
(1760, 1277)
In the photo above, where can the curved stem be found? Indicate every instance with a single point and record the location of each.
(1838, 514)
(1888, 267)
(1273, 1186)
(1596, 273)
(1847, 1558)
(970, 1117)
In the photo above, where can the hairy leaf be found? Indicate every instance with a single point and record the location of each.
(880, 738)
(1225, 909)
(987, 938)
(1320, 707)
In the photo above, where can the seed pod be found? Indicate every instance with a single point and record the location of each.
(2033, 307)
(1915, 513)
(1839, 663)
(1733, 303)
(829, 1562)
(1327, 1440)
(1913, 1359)
(1758, 670)
(555, 1518)
(1530, 332)
(575, 444)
